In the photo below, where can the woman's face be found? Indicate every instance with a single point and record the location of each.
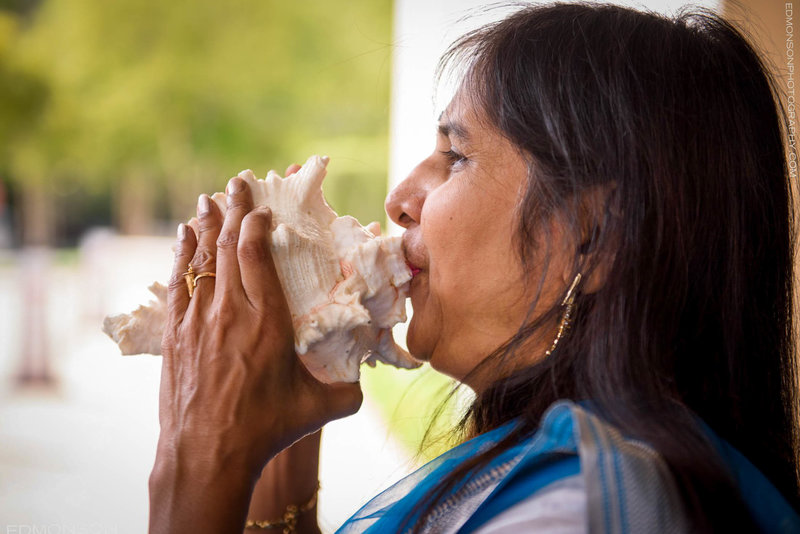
(459, 208)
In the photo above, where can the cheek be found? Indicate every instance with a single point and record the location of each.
(469, 242)
(452, 232)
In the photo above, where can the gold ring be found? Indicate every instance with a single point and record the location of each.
(192, 278)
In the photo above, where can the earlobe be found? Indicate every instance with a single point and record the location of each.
(595, 251)
(588, 242)
(596, 266)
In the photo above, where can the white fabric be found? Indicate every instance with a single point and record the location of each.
(559, 508)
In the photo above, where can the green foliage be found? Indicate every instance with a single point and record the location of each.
(189, 94)
(22, 98)
(19, 7)
(180, 96)
(23, 94)
(417, 407)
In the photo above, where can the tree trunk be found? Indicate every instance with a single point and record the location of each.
(135, 204)
(36, 223)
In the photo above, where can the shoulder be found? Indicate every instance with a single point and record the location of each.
(623, 484)
(610, 483)
(559, 508)
(629, 485)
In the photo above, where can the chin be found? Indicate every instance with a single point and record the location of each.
(415, 347)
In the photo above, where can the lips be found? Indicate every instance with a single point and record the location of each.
(411, 250)
(414, 269)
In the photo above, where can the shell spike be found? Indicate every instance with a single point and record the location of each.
(308, 184)
(345, 287)
(311, 175)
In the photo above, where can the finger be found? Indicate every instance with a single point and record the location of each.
(342, 399)
(259, 276)
(293, 168)
(209, 219)
(177, 294)
(321, 402)
(240, 202)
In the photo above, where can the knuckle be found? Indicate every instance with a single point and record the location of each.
(176, 282)
(238, 204)
(225, 316)
(202, 256)
(227, 240)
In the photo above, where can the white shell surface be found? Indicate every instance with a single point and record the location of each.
(345, 286)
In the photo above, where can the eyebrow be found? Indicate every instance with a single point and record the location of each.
(448, 128)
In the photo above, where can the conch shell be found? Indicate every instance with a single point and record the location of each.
(346, 287)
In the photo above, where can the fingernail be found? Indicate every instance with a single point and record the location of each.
(181, 231)
(234, 186)
(203, 205)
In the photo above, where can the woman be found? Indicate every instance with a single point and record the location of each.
(604, 242)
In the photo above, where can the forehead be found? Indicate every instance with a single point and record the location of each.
(463, 118)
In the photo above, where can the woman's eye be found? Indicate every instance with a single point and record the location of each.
(454, 158)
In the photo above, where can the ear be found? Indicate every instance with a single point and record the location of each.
(593, 248)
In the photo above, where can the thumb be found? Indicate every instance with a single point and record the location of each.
(341, 399)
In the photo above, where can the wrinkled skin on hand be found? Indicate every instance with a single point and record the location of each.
(233, 392)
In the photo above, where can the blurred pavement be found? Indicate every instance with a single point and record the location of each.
(76, 456)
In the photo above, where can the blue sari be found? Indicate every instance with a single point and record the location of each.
(629, 486)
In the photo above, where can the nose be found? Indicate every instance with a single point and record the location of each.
(404, 202)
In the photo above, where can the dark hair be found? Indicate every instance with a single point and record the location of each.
(679, 122)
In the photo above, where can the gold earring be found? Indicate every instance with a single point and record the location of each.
(569, 304)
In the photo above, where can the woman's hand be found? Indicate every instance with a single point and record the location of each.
(233, 392)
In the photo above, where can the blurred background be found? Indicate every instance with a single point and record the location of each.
(114, 116)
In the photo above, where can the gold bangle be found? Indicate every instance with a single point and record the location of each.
(289, 520)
